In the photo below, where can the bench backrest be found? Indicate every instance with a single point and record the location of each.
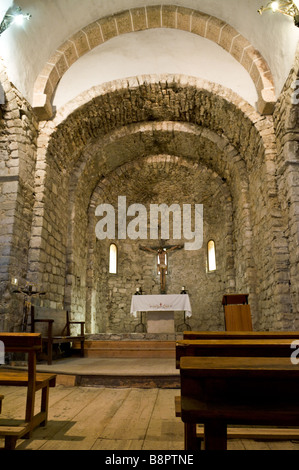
(21, 342)
(59, 324)
(233, 348)
(194, 335)
(237, 318)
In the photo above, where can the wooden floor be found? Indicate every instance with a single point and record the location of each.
(85, 418)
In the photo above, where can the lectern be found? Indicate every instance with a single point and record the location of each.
(237, 313)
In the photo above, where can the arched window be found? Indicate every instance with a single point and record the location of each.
(211, 256)
(113, 259)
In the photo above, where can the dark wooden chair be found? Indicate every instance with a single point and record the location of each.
(55, 328)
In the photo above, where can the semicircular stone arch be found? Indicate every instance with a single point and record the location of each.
(215, 114)
(180, 98)
(139, 19)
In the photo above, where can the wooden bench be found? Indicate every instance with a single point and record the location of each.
(234, 348)
(31, 344)
(241, 335)
(236, 391)
(279, 346)
(234, 432)
(55, 327)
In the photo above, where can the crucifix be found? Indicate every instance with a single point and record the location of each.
(162, 252)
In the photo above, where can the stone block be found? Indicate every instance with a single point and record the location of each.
(199, 23)
(80, 40)
(169, 16)
(154, 16)
(214, 29)
(183, 18)
(94, 34)
(69, 52)
(139, 18)
(108, 26)
(124, 22)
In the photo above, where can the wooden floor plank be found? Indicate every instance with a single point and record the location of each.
(123, 444)
(88, 424)
(165, 431)
(235, 444)
(132, 419)
(255, 445)
(64, 405)
(113, 419)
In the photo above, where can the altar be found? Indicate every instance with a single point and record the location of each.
(160, 310)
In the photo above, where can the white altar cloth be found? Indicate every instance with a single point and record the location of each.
(161, 303)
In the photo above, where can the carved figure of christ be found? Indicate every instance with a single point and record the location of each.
(161, 252)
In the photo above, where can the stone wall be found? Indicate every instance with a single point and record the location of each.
(286, 120)
(98, 134)
(152, 139)
(18, 134)
(163, 180)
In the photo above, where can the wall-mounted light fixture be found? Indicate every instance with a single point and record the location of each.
(286, 7)
(13, 16)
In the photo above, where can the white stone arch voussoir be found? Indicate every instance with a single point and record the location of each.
(145, 18)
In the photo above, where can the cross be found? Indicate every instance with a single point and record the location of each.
(161, 252)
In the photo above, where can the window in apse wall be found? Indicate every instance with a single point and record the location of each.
(113, 259)
(211, 256)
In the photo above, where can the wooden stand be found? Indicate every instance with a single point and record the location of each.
(237, 313)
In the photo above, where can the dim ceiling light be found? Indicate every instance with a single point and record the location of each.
(286, 7)
(13, 16)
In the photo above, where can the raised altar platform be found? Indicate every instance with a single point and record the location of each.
(132, 345)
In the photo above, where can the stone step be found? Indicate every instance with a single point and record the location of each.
(130, 349)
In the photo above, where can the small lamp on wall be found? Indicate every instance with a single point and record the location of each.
(286, 7)
(14, 281)
(13, 16)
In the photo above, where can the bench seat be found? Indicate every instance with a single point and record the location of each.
(19, 378)
(11, 432)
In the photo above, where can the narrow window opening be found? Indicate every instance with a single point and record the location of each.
(211, 256)
(113, 259)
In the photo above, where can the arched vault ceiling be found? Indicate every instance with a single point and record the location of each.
(165, 144)
(157, 99)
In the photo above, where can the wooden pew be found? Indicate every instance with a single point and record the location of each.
(278, 346)
(193, 335)
(31, 344)
(234, 348)
(236, 391)
(55, 327)
(1, 399)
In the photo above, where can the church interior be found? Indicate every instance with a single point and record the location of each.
(110, 111)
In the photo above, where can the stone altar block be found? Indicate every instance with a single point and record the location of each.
(160, 322)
